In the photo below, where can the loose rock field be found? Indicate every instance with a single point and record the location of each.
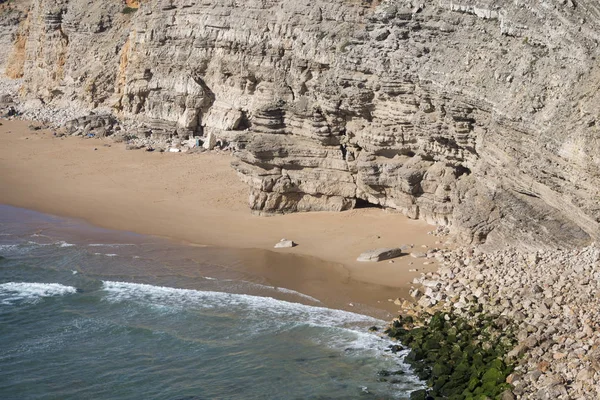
(553, 299)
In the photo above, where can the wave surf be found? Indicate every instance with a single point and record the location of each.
(31, 292)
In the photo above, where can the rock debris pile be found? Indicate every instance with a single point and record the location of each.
(552, 296)
(93, 124)
(54, 117)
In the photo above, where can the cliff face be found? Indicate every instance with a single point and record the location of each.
(480, 115)
(13, 21)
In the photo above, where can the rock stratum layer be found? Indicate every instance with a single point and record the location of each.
(479, 115)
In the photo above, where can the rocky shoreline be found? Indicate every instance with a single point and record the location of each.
(550, 297)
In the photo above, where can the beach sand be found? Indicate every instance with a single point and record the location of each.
(198, 199)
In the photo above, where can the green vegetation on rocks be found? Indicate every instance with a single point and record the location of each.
(129, 10)
(459, 358)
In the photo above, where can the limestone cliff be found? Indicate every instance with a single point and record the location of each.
(480, 115)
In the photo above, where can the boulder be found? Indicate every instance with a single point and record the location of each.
(380, 254)
(210, 141)
(284, 243)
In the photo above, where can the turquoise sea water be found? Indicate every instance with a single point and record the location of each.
(86, 316)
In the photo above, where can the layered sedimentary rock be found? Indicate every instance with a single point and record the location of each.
(480, 115)
(13, 25)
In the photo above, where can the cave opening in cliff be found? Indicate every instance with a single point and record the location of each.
(362, 203)
(243, 123)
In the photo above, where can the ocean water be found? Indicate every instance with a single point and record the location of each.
(103, 315)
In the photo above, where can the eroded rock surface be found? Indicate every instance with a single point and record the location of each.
(479, 115)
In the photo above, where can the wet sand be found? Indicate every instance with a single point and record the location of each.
(198, 199)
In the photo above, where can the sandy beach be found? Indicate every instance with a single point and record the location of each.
(198, 199)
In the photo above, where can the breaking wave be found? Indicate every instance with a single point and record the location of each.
(31, 292)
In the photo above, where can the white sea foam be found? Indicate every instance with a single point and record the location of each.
(110, 244)
(31, 292)
(33, 244)
(275, 288)
(291, 313)
(104, 254)
(339, 330)
(36, 244)
(17, 249)
(295, 293)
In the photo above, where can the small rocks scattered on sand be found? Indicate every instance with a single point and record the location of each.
(381, 254)
(552, 297)
(284, 244)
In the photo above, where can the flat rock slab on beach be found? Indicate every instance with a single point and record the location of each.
(380, 254)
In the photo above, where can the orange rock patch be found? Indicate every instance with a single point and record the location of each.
(132, 3)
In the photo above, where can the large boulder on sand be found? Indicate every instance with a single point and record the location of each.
(380, 254)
